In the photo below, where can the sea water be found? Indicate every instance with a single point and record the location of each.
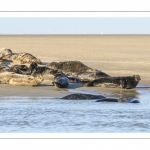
(49, 115)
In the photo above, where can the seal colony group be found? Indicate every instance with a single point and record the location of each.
(29, 71)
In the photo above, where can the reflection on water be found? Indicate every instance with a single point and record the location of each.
(46, 114)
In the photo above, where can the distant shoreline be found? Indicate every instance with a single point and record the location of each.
(74, 34)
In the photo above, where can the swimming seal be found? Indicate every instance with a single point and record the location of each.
(128, 100)
(80, 96)
(122, 99)
(126, 82)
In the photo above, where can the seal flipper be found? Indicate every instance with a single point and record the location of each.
(107, 100)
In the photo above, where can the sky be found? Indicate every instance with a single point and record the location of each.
(74, 25)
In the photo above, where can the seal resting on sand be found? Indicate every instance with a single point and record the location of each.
(70, 66)
(122, 99)
(18, 79)
(126, 82)
(85, 77)
(20, 69)
(21, 58)
(60, 79)
(80, 96)
(4, 52)
(77, 71)
(4, 67)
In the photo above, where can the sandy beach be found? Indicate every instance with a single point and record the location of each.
(116, 55)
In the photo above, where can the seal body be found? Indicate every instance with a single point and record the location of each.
(128, 100)
(126, 82)
(4, 67)
(24, 58)
(61, 81)
(86, 76)
(107, 100)
(121, 100)
(20, 69)
(19, 79)
(80, 96)
(4, 52)
(70, 66)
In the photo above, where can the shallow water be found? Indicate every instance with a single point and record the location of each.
(46, 114)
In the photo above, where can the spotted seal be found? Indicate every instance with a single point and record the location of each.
(4, 52)
(4, 67)
(70, 66)
(81, 96)
(21, 58)
(126, 82)
(76, 71)
(19, 79)
(122, 99)
(59, 79)
(20, 69)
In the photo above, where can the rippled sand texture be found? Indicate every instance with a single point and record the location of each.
(114, 54)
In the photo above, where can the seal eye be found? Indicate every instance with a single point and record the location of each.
(60, 81)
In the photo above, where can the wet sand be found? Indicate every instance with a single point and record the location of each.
(117, 55)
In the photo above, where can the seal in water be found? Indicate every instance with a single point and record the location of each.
(122, 99)
(80, 96)
(126, 82)
(128, 100)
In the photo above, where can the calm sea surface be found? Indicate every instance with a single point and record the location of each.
(41, 114)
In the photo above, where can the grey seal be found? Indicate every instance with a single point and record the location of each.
(122, 99)
(60, 80)
(81, 96)
(21, 58)
(125, 82)
(4, 52)
(70, 66)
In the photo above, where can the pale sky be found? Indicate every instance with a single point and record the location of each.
(74, 25)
